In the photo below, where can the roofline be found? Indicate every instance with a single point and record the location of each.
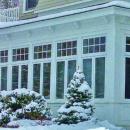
(116, 3)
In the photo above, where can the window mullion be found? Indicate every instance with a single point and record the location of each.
(41, 79)
(19, 76)
(93, 75)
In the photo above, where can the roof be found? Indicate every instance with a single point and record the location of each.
(118, 3)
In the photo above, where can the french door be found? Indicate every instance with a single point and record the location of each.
(42, 78)
(19, 76)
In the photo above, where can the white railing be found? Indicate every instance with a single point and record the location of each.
(10, 14)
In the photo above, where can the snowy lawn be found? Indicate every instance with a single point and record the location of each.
(87, 125)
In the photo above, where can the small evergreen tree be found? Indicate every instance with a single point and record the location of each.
(79, 104)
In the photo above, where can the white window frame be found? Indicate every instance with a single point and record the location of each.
(93, 56)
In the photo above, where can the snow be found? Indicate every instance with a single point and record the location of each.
(66, 13)
(88, 125)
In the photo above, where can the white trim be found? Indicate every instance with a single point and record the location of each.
(119, 3)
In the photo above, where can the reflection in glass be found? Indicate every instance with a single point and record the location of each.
(71, 69)
(24, 76)
(100, 77)
(36, 77)
(15, 72)
(46, 80)
(87, 69)
(60, 80)
(3, 78)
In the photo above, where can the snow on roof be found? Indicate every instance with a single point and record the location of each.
(119, 3)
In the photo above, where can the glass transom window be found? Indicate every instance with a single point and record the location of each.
(94, 45)
(20, 54)
(3, 56)
(43, 51)
(67, 48)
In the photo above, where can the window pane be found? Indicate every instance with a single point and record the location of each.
(3, 78)
(20, 54)
(30, 4)
(127, 79)
(36, 77)
(46, 80)
(24, 76)
(99, 77)
(127, 44)
(71, 69)
(60, 80)
(95, 45)
(67, 48)
(15, 72)
(87, 69)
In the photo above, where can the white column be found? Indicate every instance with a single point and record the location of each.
(9, 71)
(41, 78)
(30, 68)
(19, 76)
(79, 53)
(53, 73)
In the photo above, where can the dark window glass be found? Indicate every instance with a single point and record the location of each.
(3, 78)
(4, 56)
(46, 80)
(95, 45)
(20, 54)
(30, 4)
(99, 77)
(71, 69)
(67, 48)
(60, 80)
(24, 76)
(127, 78)
(127, 44)
(36, 77)
(43, 51)
(15, 73)
(87, 69)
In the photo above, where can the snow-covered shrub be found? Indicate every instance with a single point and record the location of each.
(24, 104)
(4, 118)
(79, 104)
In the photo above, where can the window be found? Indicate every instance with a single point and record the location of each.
(4, 56)
(60, 80)
(71, 69)
(67, 48)
(127, 44)
(30, 4)
(94, 45)
(99, 77)
(15, 77)
(94, 68)
(24, 76)
(127, 78)
(43, 51)
(87, 69)
(46, 79)
(3, 78)
(36, 77)
(20, 54)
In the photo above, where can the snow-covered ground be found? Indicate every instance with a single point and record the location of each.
(90, 125)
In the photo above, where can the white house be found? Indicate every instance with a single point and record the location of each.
(42, 53)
